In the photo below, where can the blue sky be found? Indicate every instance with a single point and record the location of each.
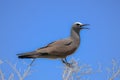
(26, 25)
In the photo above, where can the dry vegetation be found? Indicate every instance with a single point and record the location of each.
(17, 72)
(76, 71)
(114, 71)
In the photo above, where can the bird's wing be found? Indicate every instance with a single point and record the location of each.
(64, 42)
(60, 48)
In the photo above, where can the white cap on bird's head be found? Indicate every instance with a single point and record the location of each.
(80, 25)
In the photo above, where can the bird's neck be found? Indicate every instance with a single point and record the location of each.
(75, 35)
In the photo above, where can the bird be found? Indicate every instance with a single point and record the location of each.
(60, 48)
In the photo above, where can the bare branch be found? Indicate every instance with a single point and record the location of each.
(114, 71)
(20, 76)
(2, 75)
(76, 71)
(15, 69)
(11, 76)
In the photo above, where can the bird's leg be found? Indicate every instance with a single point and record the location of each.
(65, 62)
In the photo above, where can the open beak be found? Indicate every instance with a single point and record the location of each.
(82, 26)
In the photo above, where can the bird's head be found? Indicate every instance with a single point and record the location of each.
(79, 26)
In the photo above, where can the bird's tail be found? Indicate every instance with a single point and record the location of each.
(27, 55)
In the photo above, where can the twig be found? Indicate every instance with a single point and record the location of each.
(16, 71)
(11, 76)
(21, 77)
(115, 71)
(2, 75)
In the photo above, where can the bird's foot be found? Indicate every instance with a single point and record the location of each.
(68, 64)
